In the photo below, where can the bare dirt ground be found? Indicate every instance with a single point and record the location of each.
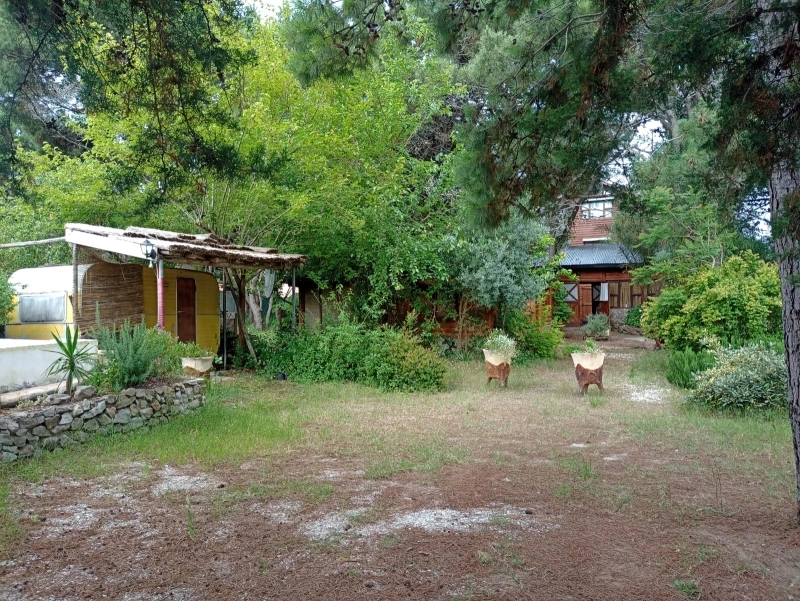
(570, 510)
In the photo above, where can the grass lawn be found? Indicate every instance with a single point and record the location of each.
(299, 491)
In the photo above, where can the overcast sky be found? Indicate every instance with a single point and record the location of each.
(266, 8)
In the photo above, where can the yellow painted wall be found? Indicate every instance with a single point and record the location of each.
(207, 309)
(206, 299)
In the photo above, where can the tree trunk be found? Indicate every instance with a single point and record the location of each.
(254, 306)
(784, 191)
(241, 306)
(241, 311)
(463, 306)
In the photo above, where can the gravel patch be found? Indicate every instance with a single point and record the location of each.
(431, 520)
(170, 480)
(331, 524)
(79, 517)
(277, 512)
(451, 520)
(648, 395)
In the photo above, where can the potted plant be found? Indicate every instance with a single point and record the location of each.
(498, 351)
(195, 360)
(597, 327)
(589, 356)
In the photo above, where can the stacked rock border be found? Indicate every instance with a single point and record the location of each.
(61, 421)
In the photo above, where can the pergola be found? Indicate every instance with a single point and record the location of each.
(158, 246)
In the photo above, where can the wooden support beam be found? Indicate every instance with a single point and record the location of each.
(33, 243)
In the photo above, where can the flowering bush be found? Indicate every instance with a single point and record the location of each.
(502, 344)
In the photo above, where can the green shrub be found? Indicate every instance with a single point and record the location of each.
(349, 352)
(6, 298)
(536, 338)
(738, 302)
(683, 365)
(749, 378)
(562, 312)
(596, 326)
(190, 350)
(566, 349)
(398, 362)
(634, 317)
(134, 354)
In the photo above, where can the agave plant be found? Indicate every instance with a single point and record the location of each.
(72, 361)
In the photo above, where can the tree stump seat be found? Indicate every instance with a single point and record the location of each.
(498, 372)
(588, 376)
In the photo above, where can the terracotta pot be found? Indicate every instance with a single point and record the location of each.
(197, 366)
(588, 360)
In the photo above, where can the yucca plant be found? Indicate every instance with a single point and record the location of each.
(72, 361)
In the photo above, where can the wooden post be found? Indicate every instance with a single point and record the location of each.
(294, 302)
(224, 321)
(75, 286)
(160, 292)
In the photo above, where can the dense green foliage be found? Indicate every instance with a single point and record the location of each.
(6, 299)
(498, 267)
(133, 354)
(162, 63)
(347, 351)
(633, 317)
(682, 210)
(738, 301)
(749, 378)
(538, 337)
(562, 312)
(684, 365)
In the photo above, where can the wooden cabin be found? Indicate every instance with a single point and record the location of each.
(602, 268)
(112, 293)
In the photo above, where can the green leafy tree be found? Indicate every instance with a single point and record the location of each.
(500, 268)
(682, 210)
(161, 63)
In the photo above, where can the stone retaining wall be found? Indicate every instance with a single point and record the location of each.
(57, 422)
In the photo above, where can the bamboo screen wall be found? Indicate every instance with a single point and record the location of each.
(111, 293)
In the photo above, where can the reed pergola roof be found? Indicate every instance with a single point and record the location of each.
(176, 247)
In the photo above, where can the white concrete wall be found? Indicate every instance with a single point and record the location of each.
(27, 361)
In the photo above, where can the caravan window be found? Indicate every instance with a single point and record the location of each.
(42, 308)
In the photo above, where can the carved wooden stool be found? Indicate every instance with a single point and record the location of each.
(588, 376)
(498, 372)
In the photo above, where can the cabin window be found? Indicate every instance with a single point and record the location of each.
(42, 308)
(596, 209)
(572, 293)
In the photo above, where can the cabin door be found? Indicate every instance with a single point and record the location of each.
(584, 301)
(187, 315)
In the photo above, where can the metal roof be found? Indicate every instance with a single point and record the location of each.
(185, 249)
(600, 255)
